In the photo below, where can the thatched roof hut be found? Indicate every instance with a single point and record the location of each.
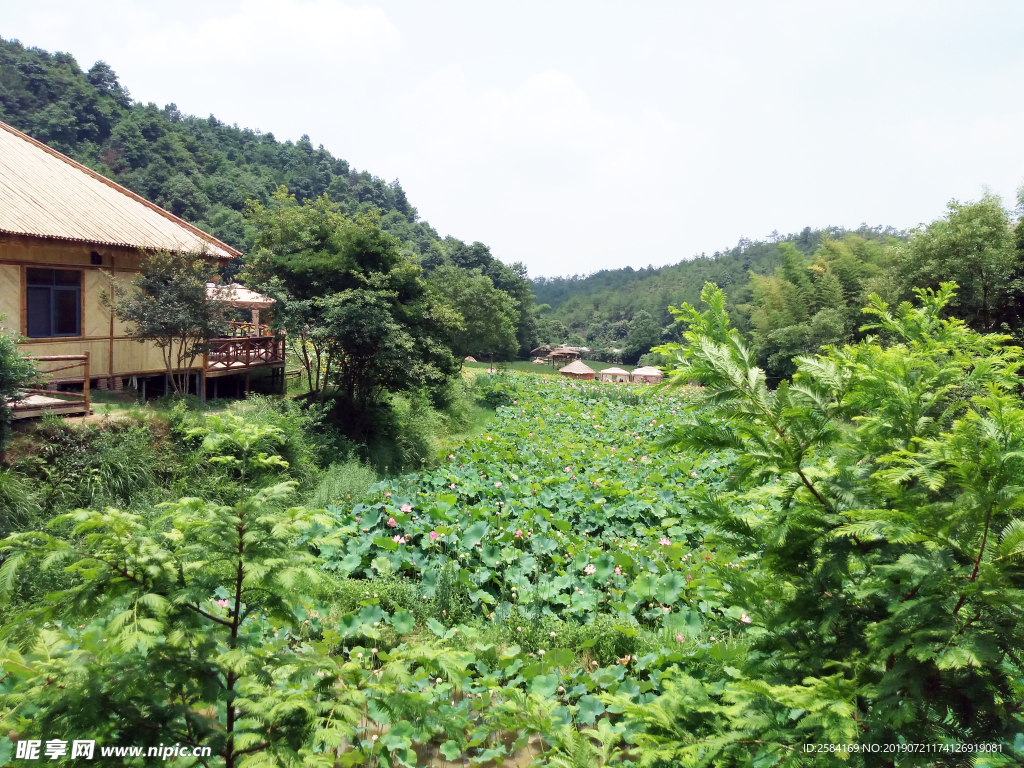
(469, 359)
(647, 374)
(540, 351)
(564, 353)
(616, 375)
(578, 370)
(539, 361)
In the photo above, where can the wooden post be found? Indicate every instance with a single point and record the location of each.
(85, 383)
(142, 389)
(110, 350)
(206, 362)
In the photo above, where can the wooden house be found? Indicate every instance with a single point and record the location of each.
(68, 236)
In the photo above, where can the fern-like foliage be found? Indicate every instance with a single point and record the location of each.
(882, 491)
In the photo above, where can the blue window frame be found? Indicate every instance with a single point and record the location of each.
(53, 299)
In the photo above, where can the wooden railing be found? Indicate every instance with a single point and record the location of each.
(243, 352)
(240, 328)
(72, 361)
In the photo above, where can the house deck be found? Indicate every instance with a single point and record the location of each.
(34, 406)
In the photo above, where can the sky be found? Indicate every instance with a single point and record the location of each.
(574, 135)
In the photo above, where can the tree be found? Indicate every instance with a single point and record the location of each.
(489, 316)
(16, 373)
(357, 312)
(166, 632)
(880, 492)
(644, 333)
(972, 245)
(167, 306)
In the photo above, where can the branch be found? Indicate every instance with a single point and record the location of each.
(211, 617)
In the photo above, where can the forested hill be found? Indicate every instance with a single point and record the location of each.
(198, 168)
(588, 304)
(205, 171)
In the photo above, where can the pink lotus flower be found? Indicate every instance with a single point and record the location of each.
(497, 484)
(488, 438)
(452, 486)
(568, 469)
(406, 508)
(618, 571)
(451, 455)
(433, 535)
(519, 533)
(397, 539)
(387, 494)
(222, 603)
(643, 458)
(744, 618)
(693, 474)
(664, 541)
(679, 638)
(392, 523)
(590, 570)
(531, 434)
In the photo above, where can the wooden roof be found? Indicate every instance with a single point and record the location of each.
(577, 366)
(615, 371)
(46, 194)
(235, 295)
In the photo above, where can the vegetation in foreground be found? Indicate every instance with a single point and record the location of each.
(785, 570)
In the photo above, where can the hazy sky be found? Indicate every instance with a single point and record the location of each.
(575, 136)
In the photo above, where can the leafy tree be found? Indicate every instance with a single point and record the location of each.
(973, 245)
(16, 373)
(807, 305)
(177, 626)
(644, 333)
(167, 306)
(489, 316)
(356, 310)
(880, 492)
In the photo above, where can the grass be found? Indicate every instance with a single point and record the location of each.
(528, 367)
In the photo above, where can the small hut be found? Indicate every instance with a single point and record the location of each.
(648, 374)
(240, 297)
(615, 375)
(539, 361)
(578, 370)
(542, 351)
(469, 359)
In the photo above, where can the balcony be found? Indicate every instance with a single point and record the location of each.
(247, 346)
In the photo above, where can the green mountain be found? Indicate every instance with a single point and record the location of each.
(592, 306)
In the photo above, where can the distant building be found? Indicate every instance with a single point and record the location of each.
(578, 370)
(615, 375)
(646, 375)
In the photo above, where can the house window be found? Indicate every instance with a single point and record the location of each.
(54, 302)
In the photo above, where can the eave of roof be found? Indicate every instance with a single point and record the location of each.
(215, 245)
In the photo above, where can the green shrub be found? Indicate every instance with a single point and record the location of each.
(342, 484)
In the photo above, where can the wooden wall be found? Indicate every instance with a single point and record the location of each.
(103, 340)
